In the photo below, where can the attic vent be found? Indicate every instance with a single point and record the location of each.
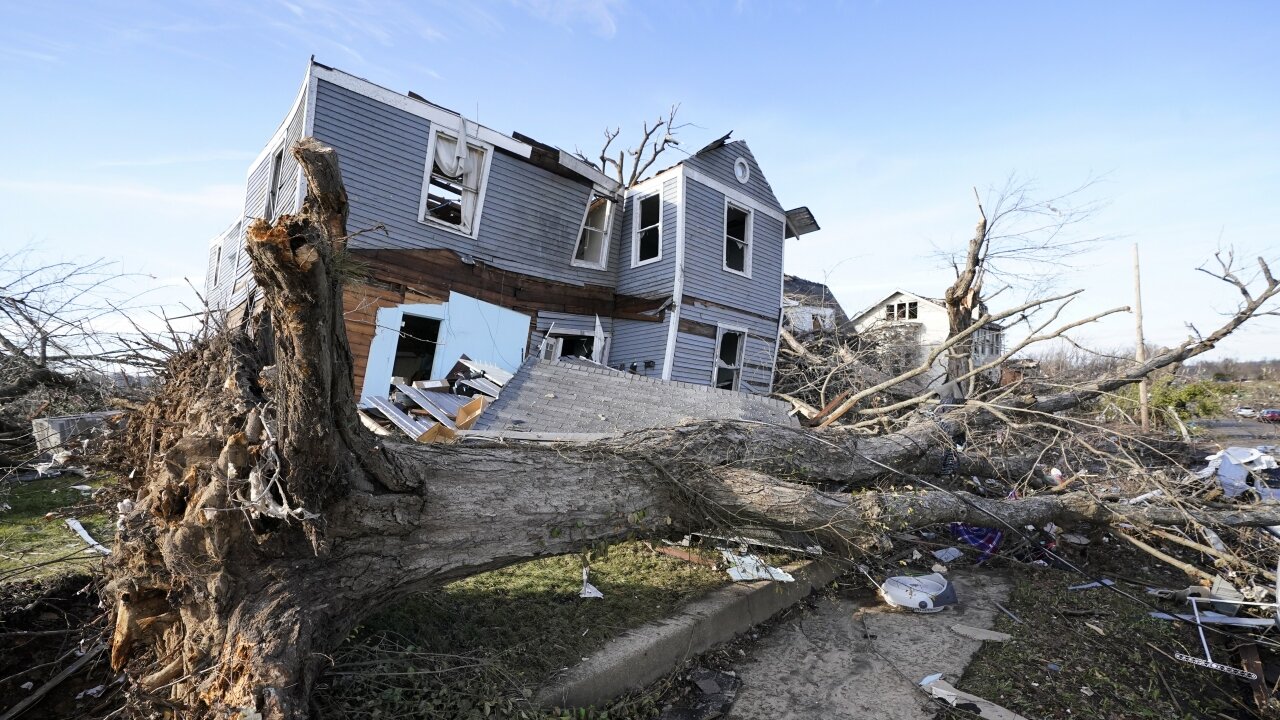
(741, 170)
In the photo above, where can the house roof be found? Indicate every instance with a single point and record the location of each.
(546, 156)
(578, 396)
(880, 303)
(938, 302)
(808, 292)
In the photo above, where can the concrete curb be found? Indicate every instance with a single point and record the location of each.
(646, 653)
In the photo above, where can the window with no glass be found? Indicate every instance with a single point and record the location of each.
(453, 187)
(273, 186)
(737, 239)
(648, 234)
(728, 368)
(593, 241)
(901, 311)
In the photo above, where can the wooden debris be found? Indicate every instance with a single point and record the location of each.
(407, 425)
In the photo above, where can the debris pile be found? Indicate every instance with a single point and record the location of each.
(435, 410)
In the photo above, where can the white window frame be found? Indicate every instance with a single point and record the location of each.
(556, 340)
(891, 311)
(423, 217)
(724, 250)
(721, 329)
(635, 229)
(603, 264)
(270, 209)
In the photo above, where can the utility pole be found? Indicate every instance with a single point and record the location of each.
(1141, 354)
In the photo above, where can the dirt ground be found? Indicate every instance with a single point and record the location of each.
(857, 658)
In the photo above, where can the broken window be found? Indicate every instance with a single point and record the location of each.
(728, 367)
(273, 186)
(416, 348)
(559, 345)
(901, 311)
(593, 242)
(453, 186)
(737, 239)
(648, 234)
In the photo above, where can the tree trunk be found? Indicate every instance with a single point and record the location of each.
(268, 522)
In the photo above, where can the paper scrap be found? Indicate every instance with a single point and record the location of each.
(948, 554)
(750, 567)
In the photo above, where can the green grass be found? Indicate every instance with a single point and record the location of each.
(33, 545)
(1128, 673)
(481, 646)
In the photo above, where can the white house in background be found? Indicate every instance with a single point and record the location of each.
(928, 317)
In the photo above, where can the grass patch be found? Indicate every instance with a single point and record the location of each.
(35, 546)
(480, 647)
(1128, 673)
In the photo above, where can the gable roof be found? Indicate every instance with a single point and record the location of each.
(814, 294)
(577, 396)
(880, 303)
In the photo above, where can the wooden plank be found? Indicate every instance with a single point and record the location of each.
(438, 433)
(1251, 662)
(407, 425)
(433, 385)
(470, 412)
(373, 425)
(425, 402)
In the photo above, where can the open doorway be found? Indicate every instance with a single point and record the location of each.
(416, 348)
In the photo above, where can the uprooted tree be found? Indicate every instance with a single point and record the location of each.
(268, 522)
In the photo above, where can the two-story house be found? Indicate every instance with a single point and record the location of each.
(926, 326)
(468, 241)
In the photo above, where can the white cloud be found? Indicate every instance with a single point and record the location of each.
(599, 14)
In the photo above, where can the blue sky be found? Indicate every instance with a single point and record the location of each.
(128, 127)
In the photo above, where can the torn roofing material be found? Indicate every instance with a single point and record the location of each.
(573, 396)
(808, 292)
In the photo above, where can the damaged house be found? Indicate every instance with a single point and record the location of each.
(916, 325)
(809, 305)
(469, 242)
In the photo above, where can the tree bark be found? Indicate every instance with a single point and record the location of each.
(268, 522)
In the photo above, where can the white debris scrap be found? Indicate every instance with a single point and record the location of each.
(94, 545)
(588, 590)
(750, 567)
(948, 554)
(939, 688)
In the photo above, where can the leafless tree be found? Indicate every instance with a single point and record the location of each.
(1023, 241)
(630, 165)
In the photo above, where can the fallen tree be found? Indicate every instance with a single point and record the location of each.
(268, 522)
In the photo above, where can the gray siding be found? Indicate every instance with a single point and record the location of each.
(658, 278)
(719, 165)
(705, 276)
(694, 353)
(221, 266)
(635, 341)
(530, 219)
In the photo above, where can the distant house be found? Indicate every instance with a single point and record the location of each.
(808, 305)
(923, 323)
(469, 241)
